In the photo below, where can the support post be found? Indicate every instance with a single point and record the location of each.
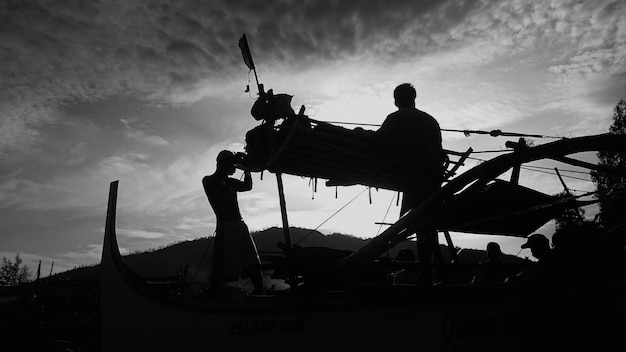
(453, 253)
(579, 215)
(521, 144)
(283, 209)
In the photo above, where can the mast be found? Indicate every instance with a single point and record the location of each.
(283, 209)
(247, 59)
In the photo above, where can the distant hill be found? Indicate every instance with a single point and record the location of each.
(196, 255)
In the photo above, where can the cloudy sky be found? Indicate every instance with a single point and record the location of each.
(148, 92)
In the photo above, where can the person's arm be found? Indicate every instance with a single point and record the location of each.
(247, 181)
(385, 131)
(241, 186)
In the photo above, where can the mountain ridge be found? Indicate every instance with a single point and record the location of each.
(194, 256)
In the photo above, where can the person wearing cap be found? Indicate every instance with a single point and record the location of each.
(547, 266)
(539, 246)
(235, 252)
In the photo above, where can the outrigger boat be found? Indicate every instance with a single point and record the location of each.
(348, 311)
(336, 304)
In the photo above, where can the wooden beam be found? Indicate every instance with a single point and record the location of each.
(283, 209)
(590, 166)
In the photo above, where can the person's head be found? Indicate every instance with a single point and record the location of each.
(493, 251)
(538, 244)
(226, 162)
(404, 96)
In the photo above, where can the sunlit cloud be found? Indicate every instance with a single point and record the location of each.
(91, 253)
(136, 133)
(138, 233)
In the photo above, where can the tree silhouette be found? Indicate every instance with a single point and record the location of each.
(569, 217)
(611, 187)
(13, 273)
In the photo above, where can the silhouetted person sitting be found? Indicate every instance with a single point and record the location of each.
(491, 270)
(235, 253)
(408, 275)
(416, 137)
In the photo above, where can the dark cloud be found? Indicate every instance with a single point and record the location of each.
(52, 52)
(55, 51)
(313, 30)
(106, 41)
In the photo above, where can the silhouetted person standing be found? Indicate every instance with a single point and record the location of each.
(491, 270)
(235, 253)
(416, 137)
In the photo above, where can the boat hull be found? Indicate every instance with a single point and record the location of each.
(512, 316)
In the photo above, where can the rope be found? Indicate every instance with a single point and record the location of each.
(498, 133)
(330, 217)
(538, 169)
(387, 212)
(467, 133)
(203, 255)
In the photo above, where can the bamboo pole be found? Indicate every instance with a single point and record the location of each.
(283, 209)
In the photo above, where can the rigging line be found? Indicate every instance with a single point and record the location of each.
(492, 151)
(204, 254)
(574, 190)
(531, 168)
(330, 217)
(387, 212)
(554, 174)
(561, 170)
(517, 255)
(498, 133)
(493, 133)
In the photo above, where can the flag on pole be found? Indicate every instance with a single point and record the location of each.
(245, 52)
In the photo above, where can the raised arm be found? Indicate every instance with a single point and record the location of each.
(241, 186)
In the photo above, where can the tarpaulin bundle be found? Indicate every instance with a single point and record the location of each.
(305, 147)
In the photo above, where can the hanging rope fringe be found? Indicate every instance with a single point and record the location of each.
(335, 213)
(313, 185)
